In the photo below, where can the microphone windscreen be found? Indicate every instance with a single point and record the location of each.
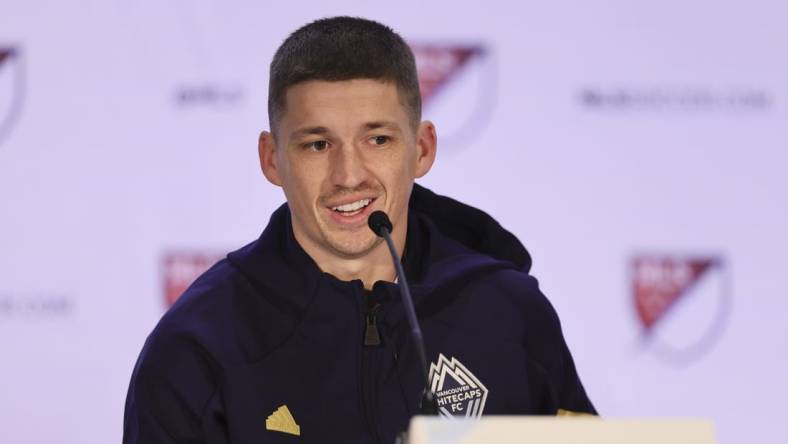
(377, 221)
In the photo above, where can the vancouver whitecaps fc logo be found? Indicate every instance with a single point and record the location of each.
(456, 389)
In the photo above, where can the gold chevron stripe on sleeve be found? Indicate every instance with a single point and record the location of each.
(282, 421)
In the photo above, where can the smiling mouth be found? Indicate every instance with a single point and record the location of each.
(352, 208)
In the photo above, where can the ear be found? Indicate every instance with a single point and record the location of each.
(426, 147)
(266, 148)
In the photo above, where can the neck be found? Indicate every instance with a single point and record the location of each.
(374, 265)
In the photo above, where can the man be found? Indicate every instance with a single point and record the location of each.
(301, 335)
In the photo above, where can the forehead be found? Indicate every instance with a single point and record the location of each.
(342, 104)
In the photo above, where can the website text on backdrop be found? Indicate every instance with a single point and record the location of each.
(302, 332)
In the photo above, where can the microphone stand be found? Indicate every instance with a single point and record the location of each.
(380, 224)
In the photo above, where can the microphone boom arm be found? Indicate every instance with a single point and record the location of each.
(381, 225)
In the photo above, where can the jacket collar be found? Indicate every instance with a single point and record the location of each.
(280, 270)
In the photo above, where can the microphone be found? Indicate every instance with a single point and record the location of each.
(380, 224)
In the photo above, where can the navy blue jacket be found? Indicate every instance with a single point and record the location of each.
(265, 328)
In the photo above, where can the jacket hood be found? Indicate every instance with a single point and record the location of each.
(470, 226)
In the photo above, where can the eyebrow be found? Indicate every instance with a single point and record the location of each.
(381, 124)
(322, 130)
(308, 131)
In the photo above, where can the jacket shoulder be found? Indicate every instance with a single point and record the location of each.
(220, 321)
(224, 313)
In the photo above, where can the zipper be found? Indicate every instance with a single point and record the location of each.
(369, 351)
(371, 333)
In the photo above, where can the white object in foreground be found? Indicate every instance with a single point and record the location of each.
(559, 430)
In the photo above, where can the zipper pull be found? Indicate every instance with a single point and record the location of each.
(371, 334)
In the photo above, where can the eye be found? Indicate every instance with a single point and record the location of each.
(317, 145)
(380, 140)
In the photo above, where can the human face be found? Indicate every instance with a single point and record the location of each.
(343, 150)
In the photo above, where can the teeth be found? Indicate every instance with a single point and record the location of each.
(353, 206)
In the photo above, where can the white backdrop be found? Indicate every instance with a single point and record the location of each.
(623, 142)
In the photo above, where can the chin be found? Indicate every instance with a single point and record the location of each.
(354, 247)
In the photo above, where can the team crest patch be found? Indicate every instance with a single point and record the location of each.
(456, 389)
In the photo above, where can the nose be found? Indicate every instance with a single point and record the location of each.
(348, 167)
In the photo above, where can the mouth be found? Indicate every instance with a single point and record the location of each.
(352, 212)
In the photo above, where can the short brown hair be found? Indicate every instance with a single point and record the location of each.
(343, 48)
